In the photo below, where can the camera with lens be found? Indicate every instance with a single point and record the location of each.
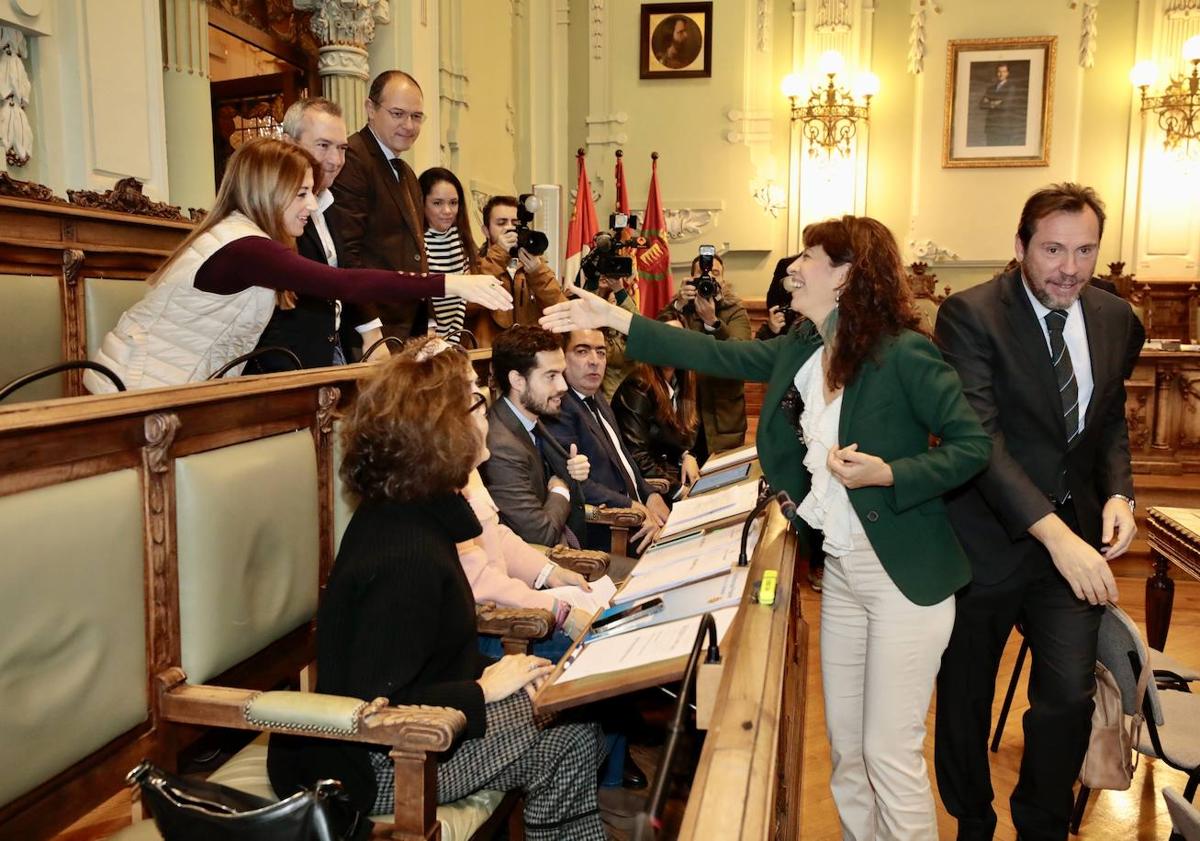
(606, 258)
(706, 285)
(535, 242)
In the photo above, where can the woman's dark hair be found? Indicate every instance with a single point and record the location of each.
(429, 179)
(409, 434)
(876, 300)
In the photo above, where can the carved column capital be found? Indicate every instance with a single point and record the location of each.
(72, 260)
(327, 400)
(345, 22)
(160, 429)
(343, 60)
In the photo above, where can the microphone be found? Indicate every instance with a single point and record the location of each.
(764, 496)
(786, 506)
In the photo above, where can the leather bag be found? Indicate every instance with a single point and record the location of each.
(1111, 756)
(190, 810)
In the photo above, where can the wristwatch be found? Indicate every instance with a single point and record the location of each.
(1127, 500)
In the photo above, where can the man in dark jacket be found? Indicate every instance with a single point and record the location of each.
(721, 403)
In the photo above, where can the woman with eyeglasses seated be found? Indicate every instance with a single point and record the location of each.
(869, 390)
(210, 302)
(656, 410)
(398, 616)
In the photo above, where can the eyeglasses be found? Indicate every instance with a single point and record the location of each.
(401, 116)
(479, 402)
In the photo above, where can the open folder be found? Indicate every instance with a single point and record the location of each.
(694, 513)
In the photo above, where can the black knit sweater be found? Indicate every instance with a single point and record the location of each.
(398, 621)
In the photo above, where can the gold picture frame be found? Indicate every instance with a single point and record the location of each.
(999, 102)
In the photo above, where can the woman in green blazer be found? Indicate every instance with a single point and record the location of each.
(845, 427)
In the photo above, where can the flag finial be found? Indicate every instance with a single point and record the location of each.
(654, 156)
(620, 154)
(579, 153)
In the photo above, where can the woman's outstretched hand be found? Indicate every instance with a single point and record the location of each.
(584, 311)
(481, 289)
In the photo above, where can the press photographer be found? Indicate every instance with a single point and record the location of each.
(512, 254)
(704, 304)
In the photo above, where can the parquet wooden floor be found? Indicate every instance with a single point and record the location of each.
(1135, 815)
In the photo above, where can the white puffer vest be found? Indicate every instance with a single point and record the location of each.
(179, 334)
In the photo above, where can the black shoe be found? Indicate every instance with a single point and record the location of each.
(633, 776)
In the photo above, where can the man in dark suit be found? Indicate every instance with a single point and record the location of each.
(378, 209)
(533, 481)
(586, 420)
(1042, 358)
(320, 331)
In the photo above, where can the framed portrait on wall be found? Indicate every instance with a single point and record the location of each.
(999, 102)
(676, 40)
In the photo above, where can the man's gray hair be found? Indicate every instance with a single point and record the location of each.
(295, 114)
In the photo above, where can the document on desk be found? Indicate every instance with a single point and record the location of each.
(692, 600)
(599, 598)
(694, 513)
(729, 459)
(700, 563)
(641, 647)
(685, 548)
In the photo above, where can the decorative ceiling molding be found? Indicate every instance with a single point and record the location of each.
(916, 33)
(684, 224)
(762, 24)
(928, 251)
(1179, 9)
(833, 16)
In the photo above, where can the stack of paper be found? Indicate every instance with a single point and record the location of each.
(692, 600)
(729, 459)
(641, 647)
(694, 513)
(690, 560)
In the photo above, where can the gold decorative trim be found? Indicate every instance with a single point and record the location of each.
(1050, 44)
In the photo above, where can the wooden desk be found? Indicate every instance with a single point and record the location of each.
(1174, 537)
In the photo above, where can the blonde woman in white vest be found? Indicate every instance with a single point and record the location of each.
(211, 300)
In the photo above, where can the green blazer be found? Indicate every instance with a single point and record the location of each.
(900, 397)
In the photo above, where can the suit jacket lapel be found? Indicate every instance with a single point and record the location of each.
(1092, 307)
(314, 239)
(396, 188)
(1027, 335)
(506, 416)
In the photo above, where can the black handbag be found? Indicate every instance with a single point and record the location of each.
(191, 810)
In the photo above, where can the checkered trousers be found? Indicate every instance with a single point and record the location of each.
(554, 764)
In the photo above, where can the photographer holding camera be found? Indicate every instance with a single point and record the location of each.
(521, 270)
(705, 305)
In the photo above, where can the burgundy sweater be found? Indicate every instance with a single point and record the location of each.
(258, 261)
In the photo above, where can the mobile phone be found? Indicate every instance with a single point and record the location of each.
(613, 617)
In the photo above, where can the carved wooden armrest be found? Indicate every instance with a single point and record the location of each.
(513, 623)
(412, 729)
(590, 563)
(619, 518)
(658, 486)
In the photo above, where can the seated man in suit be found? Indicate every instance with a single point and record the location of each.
(315, 328)
(586, 421)
(532, 479)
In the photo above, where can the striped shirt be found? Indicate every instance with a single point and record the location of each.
(446, 255)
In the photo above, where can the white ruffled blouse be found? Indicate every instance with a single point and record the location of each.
(827, 506)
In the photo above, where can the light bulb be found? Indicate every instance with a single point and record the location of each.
(1191, 49)
(1143, 74)
(867, 84)
(831, 63)
(792, 85)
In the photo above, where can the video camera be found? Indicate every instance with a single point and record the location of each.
(605, 259)
(535, 242)
(706, 285)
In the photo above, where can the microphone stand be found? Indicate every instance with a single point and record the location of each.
(764, 496)
(647, 823)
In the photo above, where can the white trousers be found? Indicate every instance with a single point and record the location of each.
(879, 656)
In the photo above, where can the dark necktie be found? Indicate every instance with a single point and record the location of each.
(630, 485)
(1068, 386)
(398, 166)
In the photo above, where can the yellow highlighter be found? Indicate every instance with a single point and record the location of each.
(766, 590)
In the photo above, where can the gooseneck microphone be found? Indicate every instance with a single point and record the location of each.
(764, 496)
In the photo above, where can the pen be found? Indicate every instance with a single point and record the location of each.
(574, 655)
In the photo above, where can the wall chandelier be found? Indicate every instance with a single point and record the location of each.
(1178, 106)
(832, 114)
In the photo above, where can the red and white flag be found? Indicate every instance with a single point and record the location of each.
(583, 226)
(631, 286)
(655, 284)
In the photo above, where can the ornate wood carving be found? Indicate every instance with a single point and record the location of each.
(1136, 406)
(158, 488)
(327, 401)
(74, 345)
(13, 188)
(923, 284)
(125, 197)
